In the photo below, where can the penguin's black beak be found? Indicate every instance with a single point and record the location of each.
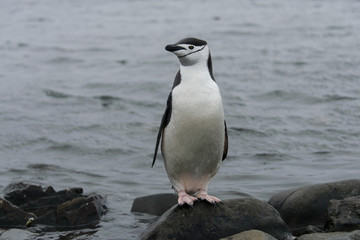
(173, 48)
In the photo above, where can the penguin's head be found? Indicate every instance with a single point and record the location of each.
(190, 51)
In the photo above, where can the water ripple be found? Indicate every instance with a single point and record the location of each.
(286, 96)
(248, 132)
(43, 167)
(272, 156)
(56, 94)
(331, 98)
(64, 60)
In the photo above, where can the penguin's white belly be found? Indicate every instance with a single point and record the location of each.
(193, 141)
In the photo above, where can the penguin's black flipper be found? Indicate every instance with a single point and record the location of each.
(164, 122)
(166, 117)
(225, 151)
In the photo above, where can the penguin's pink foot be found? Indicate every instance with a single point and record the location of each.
(202, 195)
(185, 198)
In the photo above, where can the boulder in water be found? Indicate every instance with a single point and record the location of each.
(300, 207)
(155, 204)
(343, 215)
(206, 221)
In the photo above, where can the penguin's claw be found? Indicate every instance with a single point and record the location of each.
(186, 199)
(202, 195)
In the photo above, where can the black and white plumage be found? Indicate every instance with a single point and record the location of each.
(193, 131)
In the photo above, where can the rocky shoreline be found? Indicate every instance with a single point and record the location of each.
(328, 211)
(321, 211)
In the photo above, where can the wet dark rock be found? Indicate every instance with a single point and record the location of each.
(51, 210)
(250, 235)
(300, 207)
(343, 215)
(155, 204)
(12, 216)
(205, 221)
(355, 235)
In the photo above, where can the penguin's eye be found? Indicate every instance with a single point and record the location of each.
(191, 47)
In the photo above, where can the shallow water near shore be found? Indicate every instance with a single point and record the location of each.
(84, 86)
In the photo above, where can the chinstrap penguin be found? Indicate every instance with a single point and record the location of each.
(193, 131)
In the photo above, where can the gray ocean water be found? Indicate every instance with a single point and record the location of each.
(83, 86)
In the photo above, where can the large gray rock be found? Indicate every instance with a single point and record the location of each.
(250, 235)
(343, 215)
(17, 234)
(205, 221)
(155, 204)
(355, 235)
(300, 207)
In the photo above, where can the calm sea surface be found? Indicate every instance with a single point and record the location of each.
(83, 86)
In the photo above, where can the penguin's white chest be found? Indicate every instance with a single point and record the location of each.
(194, 138)
(197, 106)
